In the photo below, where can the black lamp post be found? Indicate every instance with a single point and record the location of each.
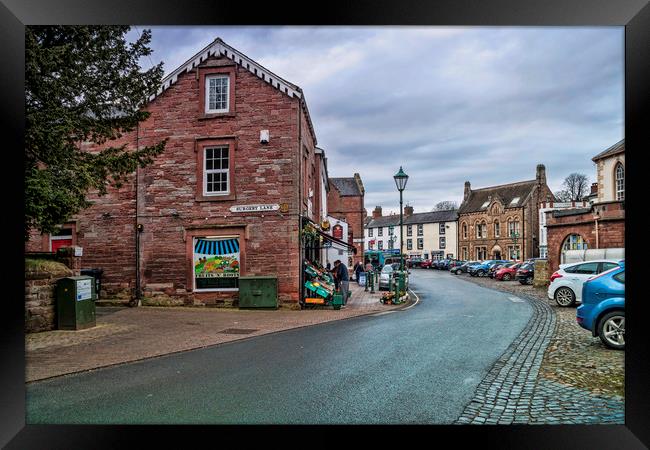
(400, 181)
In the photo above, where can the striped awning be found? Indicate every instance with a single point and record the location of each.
(216, 247)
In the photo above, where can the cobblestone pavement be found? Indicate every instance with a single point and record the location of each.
(131, 334)
(554, 372)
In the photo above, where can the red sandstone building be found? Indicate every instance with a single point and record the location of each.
(345, 202)
(488, 217)
(239, 177)
(599, 225)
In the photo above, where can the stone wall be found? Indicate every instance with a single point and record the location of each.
(41, 276)
(542, 273)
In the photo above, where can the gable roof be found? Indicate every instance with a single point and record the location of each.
(506, 193)
(450, 215)
(219, 48)
(346, 186)
(619, 147)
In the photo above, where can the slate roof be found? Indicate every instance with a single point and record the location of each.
(505, 193)
(570, 212)
(346, 186)
(417, 218)
(619, 147)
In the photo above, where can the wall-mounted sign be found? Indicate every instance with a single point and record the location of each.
(254, 208)
(78, 251)
(358, 241)
(324, 225)
(284, 207)
(337, 231)
(84, 290)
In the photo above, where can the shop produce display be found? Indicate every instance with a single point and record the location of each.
(319, 286)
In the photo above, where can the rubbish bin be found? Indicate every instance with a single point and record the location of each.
(75, 304)
(97, 275)
(258, 291)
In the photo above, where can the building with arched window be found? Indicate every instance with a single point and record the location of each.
(598, 225)
(502, 221)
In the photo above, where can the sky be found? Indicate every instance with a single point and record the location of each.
(448, 104)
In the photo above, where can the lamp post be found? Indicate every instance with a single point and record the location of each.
(400, 181)
(514, 235)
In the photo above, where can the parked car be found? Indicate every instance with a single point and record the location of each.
(507, 271)
(526, 273)
(426, 264)
(464, 267)
(567, 281)
(386, 275)
(413, 262)
(603, 307)
(456, 263)
(481, 270)
(496, 266)
(444, 264)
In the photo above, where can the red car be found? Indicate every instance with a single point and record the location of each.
(507, 272)
(426, 264)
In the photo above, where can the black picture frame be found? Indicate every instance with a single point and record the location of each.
(14, 14)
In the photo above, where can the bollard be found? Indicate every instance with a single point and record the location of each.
(372, 282)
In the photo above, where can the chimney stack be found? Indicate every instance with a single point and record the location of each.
(468, 190)
(377, 212)
(594, 188)
(408, 211)
(541, 174)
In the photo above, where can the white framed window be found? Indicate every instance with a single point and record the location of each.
(441, 229)
(443, 242)
(380, 245)
(497, 231)
(420, 230)
(216, 171)
(420, 243)
(620, 182)
(409, 230)
(409, 244)
(380, 231)
(369, 232)
(217, 93)
(464, 231)
(481, 253)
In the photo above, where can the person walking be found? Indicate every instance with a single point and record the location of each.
(358, 268)
(341, 271)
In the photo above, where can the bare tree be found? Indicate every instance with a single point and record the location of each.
(445, 205)
(576, 188)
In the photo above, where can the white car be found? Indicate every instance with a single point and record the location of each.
(566, 282)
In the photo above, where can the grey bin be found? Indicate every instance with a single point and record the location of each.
(259, 291)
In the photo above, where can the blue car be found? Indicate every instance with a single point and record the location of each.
(603, 307)
(481, 270)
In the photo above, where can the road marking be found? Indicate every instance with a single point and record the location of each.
(515, 300)
(417, 300)
(385, 312)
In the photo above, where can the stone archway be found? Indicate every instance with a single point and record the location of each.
(572, 241)
(496, 252)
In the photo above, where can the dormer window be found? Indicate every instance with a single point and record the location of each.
(485, 205)
(514, 201)
(217, 93)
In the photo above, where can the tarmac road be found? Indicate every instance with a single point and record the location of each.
(420, 365)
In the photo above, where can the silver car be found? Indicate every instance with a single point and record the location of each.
(386, 275)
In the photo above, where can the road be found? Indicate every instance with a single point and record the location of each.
(419, 365)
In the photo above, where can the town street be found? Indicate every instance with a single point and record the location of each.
(419, 365)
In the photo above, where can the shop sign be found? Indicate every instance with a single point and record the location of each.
(216, 263)
(358, 241)
(254, 208)
(337, 232)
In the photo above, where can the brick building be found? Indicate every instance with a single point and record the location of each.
(488, 217)
(238, 178)
(345, 202)
(596, 226)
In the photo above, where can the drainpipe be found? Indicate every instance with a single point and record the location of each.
(138, 227)
(301, 250)
(597, 241)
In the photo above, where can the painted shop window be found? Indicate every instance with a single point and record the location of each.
(442, 242)
(420, 244)
(620, 182)
(441, 228)
(216, 263)
(215, 172)
(574, 242)
(217, 93)
(409, 230)
(409, 244)
(420, 230)
(60, 238)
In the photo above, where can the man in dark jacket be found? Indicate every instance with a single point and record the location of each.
(358, 268)
(341, 271)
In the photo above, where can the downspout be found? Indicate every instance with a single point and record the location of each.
(597, 241)
(301, 250)
(138, 299)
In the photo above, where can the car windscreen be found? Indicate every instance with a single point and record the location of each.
(387, 269)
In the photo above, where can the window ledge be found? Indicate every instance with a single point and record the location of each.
(215, 198)
(207, 116)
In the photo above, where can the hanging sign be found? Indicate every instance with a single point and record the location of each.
(337, 232)
(254, 208)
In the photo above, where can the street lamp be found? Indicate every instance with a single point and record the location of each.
(514, 235)
(400, 181)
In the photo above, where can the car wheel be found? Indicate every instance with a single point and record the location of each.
(565, 297)
(480, 273)
(506, 277)
(611, 330)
